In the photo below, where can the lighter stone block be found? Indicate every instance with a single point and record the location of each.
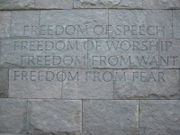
(148, 84)
(54, 4)
(161, 4)
(16, 4)
(5, 20)
(176, 24)
(140, 24)
(110, 117)
(129, 4)
(55, 117)
(159, 117)
(88, 84)
(4, 82)
(13, 116)
(35, 83)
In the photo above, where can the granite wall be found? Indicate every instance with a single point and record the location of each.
(89, 67)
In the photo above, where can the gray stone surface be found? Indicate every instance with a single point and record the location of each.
(44, 53)
(57, 117)
(110, 117)
(148, 84)
(4, 83)
(74, 23)
(54, 4)
(159, 117)
(161, 4)
(13, 116)
(130, 4)
(35, 83)
(176, 24)
(140, 23)
(22, 19)
(16, 4)
(5, 19)
(89, 84)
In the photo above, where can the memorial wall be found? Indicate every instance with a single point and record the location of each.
(89, 67)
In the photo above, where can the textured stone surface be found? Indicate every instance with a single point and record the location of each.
(89, 84)
(108, 3)
(35, 83)
(12, 115)
(159, 117)
(5, 19)
(4, 79)
(43, 53)
(110, 117)
(76, 24)
(54, 4)
(161, 4)
(55, 117)
(148, 84)
(16, 4)
(21, 19)
(140, 23)
(176, 24)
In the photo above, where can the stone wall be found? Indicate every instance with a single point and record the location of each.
(89, 67)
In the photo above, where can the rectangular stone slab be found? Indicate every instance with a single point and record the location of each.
(161, 4)
(159, 117)
(140, 24)
(13, 116)
(121, 4)
(60, 23)
(54, 117)
(16, 4)
(35, 83)
(54, 4)
(148, 84)
(108, 117)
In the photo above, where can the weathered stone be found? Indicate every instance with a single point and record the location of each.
(110, 117)
(44, 53)
(148, 84)
(159, 117)
(35, 83)
(161, 4)
(57, 117)
(5, 20)
(4, 83)
(16, 4)
(108, 4)
(176, 24)
(140, 24)
(88, 84)
(73, 23)
(21, 20)
(13, 116)
(54, 4)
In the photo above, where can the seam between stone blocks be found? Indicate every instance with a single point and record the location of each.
(82, 118)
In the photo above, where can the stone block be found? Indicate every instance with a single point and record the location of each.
(110, 117)
(147, 84)
(57, 117)
(5, 20)
(176, 24)
(159, 117)
(4, 83)
(35, 83)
